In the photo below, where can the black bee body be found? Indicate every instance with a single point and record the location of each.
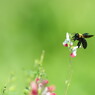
(81, 39)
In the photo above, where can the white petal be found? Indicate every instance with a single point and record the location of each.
(45, 91)
(65, 42)
(67, 36)
(75, 47)
(71, 43)
(74, 53)
(48, 93)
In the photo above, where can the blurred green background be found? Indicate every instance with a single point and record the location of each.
(29, 26)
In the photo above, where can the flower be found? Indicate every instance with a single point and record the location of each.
(39, 87)
(51, 88)
(53, 93)
(45, 91)
(67, 42)
(45, 82)
(37, 79)
(34, 88)
(73, 51)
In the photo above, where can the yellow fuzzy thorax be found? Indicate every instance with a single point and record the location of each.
(81, 36)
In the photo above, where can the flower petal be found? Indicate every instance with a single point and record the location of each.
(67, 36)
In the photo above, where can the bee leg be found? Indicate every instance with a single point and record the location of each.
(79, 43)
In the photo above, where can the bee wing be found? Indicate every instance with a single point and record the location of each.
(84, 43)
(86, 35)
(79, 43)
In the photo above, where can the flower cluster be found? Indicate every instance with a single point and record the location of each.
(68, 43)
(39, 87)
(38, 80)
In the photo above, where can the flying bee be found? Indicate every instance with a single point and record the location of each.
(81, 39)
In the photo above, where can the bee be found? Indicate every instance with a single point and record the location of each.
(81, 39)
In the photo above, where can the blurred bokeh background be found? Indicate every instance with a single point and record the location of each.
(29, 26)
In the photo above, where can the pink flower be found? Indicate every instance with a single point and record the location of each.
(49, 93)
(45, 82)
(66, 45)
(73, 51)
(39, 87)
(34, 88)
(37, 79)
(53, 94)
(51, 88)
(72, 55)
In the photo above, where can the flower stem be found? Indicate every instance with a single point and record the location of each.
(68, 81)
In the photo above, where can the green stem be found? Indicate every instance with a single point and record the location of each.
(70, 76)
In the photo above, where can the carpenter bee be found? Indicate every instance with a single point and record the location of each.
(81, 39)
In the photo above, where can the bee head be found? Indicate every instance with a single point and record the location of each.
(76, 36)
